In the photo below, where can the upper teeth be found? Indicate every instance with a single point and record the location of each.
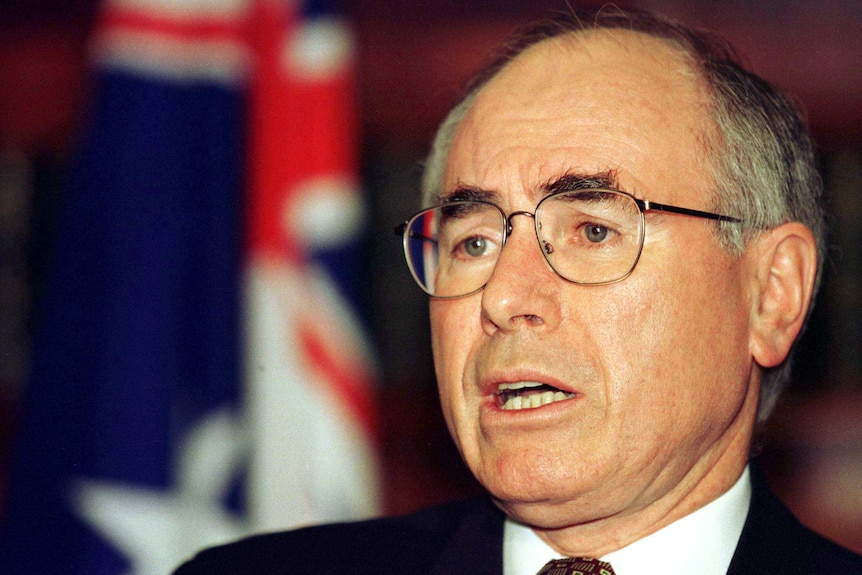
(518, 385)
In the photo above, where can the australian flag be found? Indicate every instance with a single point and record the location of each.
(194, 338)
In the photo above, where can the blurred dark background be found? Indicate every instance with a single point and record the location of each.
(413, 57)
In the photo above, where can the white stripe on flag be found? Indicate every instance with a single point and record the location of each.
(312, 461)
(171, 59)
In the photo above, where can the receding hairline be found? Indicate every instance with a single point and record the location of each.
(701, 45)
(699, 54)
(674, 61)
(588, 39)
(585, 39)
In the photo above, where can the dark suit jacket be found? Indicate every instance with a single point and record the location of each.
(466, 537)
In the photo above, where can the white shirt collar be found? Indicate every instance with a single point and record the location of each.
(702, 542)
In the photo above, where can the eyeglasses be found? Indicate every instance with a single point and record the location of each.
(588, 237)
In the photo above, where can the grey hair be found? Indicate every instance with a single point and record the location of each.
(761, 156)
(435, 164)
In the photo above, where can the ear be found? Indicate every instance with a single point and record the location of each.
(785, 261)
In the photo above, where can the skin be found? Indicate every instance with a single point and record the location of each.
(665, 364)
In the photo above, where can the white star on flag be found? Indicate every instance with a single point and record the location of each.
(156, 530)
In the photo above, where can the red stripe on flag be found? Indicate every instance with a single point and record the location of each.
(200, 28)
(348, 380)
(274, 143)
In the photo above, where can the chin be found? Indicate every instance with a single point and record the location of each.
(548, 500)
(534, 499)
(546, 515)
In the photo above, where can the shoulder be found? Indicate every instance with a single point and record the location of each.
(774, 541)
(411, 542)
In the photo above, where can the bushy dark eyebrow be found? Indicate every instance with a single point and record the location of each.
(572, 181)
(469, 193)
(568, 182)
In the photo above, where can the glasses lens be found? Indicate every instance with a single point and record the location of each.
(590, 236)
(452, 249)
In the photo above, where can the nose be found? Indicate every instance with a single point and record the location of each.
(523, 291)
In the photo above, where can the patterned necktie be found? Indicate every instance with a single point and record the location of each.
(576, 566)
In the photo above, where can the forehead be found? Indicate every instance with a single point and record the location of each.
(593, 102)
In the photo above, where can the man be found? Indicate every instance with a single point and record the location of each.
(621, 251)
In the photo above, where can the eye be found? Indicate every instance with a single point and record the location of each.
(475, 247)
(468, 245)
(596, 233)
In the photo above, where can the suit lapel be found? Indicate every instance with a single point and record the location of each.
(770, 538)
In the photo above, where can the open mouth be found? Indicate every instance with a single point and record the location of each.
(528, 395)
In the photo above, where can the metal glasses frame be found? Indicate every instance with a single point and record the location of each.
(642, 204)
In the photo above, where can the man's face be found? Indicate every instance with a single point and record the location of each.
(659, 364)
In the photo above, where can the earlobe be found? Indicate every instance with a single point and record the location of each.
(786, 266)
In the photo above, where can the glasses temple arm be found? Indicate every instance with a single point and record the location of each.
(648, 205)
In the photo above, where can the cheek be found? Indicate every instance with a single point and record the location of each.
(682, 352)
(452, 337)
(445, 337)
